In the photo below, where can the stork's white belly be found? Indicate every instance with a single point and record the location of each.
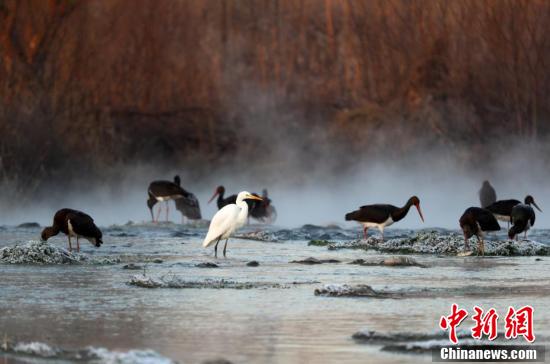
(167, 198)
(380, 226)
(504, 218)
(71, 230)
(73, 234)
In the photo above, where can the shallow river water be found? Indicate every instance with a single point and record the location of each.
(73, 306)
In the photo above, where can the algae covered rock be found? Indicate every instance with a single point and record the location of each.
(42, 252)
(434, 242)
(38, 252)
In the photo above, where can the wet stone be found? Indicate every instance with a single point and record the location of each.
(265, 236)
(319, 242)
(312, 261)
(433, 242)
(398, 261)
(339, 290)
(132, 266)
(405, 339)
(177, 282)
(41, 252)
(252, 263)
(411, 342)
(89, 354)
(28, 225)
(207, 265)
(158, 260)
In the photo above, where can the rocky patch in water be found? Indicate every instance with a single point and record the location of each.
(418, 343)
(265, 236)
(207, 265)
(40, 252)
(363, 290)
(144, 281)
(28, 225)
(252, 263)
(318, 242)
(398, 261)
(89, 354)
(432, 242)
(312, 261)
(358, 290)
(409, 342)
(132, 266)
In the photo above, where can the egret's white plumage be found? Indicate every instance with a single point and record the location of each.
(228, 219)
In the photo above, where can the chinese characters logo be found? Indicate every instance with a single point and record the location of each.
(516, 323)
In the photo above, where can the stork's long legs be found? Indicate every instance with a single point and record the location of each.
(70, 245)
(167, 209)
(225, 247)
(466, 243)
(77, 245)
(216, 248)
(365, 229)
(158, 214)
(481, 245)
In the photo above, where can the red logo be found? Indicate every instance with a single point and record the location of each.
(517, 323)
(452, 321)
(520, 322)
(485, 324)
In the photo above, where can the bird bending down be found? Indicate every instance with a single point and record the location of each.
(487, 194)
(228, 219)
(474, 221)
(502, 209)
(76, 224)
(522, 219)
(164, 191)
(381, 215)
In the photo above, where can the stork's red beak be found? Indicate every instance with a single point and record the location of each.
(420, 212)
(213, 196)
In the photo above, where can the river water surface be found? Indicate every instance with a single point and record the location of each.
(73, 306)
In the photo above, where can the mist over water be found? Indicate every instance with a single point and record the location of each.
(315, 194)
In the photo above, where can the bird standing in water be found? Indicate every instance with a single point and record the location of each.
(263, 210)
(76, 224)
(502, 209)
(164, 191)
(228, 219)
(222, 201)
(381, 215)
(474, 221)
(487, 194)
(522, 219)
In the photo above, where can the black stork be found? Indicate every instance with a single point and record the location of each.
(263, 210)
(160, 191)
(76, 224)
(487, 194)
(381, 215)
(522, 219)
(474, 221)
(502, 209)
(221, 202)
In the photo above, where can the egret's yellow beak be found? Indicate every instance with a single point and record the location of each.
(252, 197)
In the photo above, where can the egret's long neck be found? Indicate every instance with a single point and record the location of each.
(243, 214)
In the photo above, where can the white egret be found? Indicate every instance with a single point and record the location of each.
(228, 219)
